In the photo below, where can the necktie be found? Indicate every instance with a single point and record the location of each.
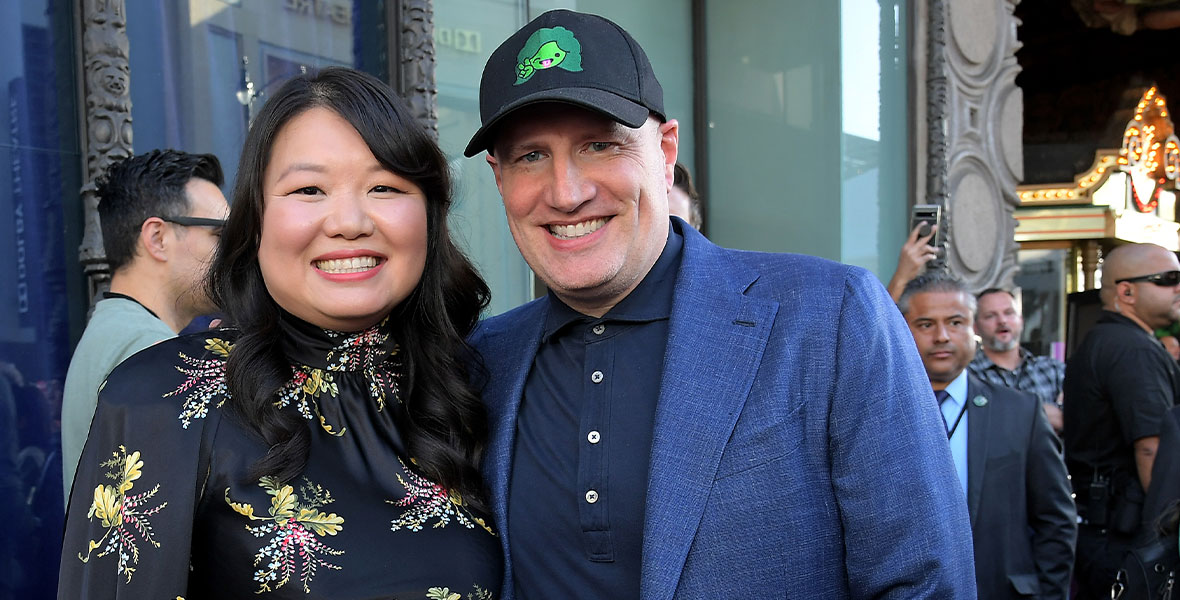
(942, 396)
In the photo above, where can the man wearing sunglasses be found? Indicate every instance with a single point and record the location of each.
(1119, 383)
(161, 215)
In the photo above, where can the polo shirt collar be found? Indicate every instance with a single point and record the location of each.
(1109, 316)
(650, 300)
(983, 360)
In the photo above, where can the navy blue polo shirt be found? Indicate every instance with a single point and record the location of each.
(583, 444)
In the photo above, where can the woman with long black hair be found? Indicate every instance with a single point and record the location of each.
(326, 444)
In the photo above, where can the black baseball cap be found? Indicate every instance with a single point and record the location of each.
(571, 57)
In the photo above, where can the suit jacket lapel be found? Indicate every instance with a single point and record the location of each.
(508, 354)
(978, 426)
(716, 340)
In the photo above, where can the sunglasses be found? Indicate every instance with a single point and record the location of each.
(1165, 279)
(195, 221)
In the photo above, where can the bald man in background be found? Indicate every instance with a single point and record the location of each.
(1118, 386)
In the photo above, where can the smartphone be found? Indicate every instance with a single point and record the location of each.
(927, 216)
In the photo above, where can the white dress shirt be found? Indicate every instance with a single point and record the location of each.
(950, 411)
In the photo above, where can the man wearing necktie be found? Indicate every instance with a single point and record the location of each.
(1008, 460)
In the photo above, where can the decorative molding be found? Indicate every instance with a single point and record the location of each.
(976, 114)
(106, 80)
(936, 119)
(413, 75)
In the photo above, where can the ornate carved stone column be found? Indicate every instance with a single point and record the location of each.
(983, 128)
(936, 103)
(936, 119)
(412, 73)
(106, 80)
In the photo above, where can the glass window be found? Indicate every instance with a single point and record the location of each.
(1041, 282)
(873, 138)
(807, 136)
(40, 310)
(200, 69)
(466, 32)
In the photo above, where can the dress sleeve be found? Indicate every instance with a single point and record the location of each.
(130, 517)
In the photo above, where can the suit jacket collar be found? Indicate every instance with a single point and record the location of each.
(978, 433)
(700, 400)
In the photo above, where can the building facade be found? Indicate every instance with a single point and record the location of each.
(810, 127)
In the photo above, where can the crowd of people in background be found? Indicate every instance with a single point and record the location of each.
(1111, 407)
(672, 419)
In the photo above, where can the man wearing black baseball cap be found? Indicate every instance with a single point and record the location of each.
(674, 419)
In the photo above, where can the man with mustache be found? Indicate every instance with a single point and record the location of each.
(1119, 383)
(1001, 361)
(1023, 521)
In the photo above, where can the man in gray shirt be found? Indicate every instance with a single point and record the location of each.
(161, 215)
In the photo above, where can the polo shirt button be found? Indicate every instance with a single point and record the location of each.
(591, 496)
(593, 437)
(598, 329)
(596, 377)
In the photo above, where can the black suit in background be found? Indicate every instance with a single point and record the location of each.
(1022, 515)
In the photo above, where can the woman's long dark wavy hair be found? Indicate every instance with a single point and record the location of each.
(443, 422)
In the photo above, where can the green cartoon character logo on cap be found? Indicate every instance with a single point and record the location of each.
(548, 48)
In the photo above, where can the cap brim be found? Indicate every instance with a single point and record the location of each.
(620, 109)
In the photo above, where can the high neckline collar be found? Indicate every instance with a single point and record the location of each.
(316, 347)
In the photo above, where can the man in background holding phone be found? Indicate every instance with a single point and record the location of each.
(917, 251)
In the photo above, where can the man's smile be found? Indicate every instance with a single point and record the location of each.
(577, 230)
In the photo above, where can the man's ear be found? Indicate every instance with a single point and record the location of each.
(670, 145)
(495, 165)
(1125, 293)
(153, 238)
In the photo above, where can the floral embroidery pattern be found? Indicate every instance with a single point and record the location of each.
(426, 500)
(366, 352)
(122, 515)
(304, 389)
(437, 593)
(295, 528)
(205, 380)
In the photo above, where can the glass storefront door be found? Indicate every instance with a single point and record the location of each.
(40, 231)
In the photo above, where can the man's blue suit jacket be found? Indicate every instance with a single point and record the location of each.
(798, 450)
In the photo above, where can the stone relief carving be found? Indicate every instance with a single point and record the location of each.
(108, 120)
(415, 73)
(984, 111)
(936, 104)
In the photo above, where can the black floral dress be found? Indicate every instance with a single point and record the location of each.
(163, 506)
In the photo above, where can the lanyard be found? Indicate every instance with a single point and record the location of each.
(951, 432)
